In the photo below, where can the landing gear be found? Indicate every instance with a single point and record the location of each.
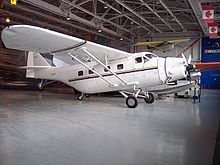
(87, 95)
(131, 102)
(131, 98)
(150, 98)
(41, 85)
(80, 96)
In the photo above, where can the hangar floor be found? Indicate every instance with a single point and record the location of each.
(48, 128)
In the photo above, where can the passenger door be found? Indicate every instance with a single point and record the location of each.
(138, 66)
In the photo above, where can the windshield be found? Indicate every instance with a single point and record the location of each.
(150, 56)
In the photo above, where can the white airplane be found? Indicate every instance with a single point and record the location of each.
(90, 67)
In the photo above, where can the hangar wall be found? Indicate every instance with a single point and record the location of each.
(192, 47)
(210, 79)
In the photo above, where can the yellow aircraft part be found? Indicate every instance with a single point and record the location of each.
(163, 42)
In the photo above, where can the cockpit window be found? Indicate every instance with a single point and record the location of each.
(150, 56)
(145, 59)
(138, 60)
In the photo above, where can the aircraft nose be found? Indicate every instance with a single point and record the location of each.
(190, 67)
(175, 68)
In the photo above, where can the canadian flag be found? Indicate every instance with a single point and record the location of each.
(208, 14)
(213, 30)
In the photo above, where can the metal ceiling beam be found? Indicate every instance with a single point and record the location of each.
(164, 11)
(176, 35)
(126, 16)
(160, 18)
(64, 22)
(95, 15)
(138, 15)
(197, 9)
(171, 13)
(30, 20)
(56, 10)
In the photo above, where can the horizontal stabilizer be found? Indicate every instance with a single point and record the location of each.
(36, 67)
(35, 62)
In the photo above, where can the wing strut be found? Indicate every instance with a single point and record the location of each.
(97, 60)
(109, 82)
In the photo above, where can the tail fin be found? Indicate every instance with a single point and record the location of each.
(35, 62)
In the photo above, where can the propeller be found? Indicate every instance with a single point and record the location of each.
(189, 59)
(184, 59)
(188, 65)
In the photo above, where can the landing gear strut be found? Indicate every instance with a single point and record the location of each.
(41, 85)
(131, 98)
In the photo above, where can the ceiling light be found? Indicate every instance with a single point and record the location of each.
(121, 39)
(99, 30)
(68, 16)
(106, 5)
(7, 20)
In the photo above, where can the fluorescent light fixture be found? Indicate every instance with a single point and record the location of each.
(7, 20)
(68, 16)
(106, 5)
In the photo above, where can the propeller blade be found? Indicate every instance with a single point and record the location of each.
(184, 59)
(189, 59)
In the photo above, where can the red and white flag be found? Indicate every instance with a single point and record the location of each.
(213, 30)
(208, 14)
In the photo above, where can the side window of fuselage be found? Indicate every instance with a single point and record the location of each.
(106, 69)
(91, 72)
(80, 73)
(145, 59)
(120, 66)
(138, 60)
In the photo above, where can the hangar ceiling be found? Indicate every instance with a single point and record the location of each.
(116, 18)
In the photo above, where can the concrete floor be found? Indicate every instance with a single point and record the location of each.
(48, 128)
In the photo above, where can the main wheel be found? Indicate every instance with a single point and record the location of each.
(131, 102)
(150, 99)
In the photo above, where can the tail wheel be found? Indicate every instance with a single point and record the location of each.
(80, 97)
(150, 99)
(131, 102)
(40, 87)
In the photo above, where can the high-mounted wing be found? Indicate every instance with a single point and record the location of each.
(36, 39)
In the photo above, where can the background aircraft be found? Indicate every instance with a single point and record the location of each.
(165, 45)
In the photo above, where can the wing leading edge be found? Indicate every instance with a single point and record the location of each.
(36, 39)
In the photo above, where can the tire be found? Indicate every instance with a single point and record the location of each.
(150, 99)
(131, 102)
(40, 87)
